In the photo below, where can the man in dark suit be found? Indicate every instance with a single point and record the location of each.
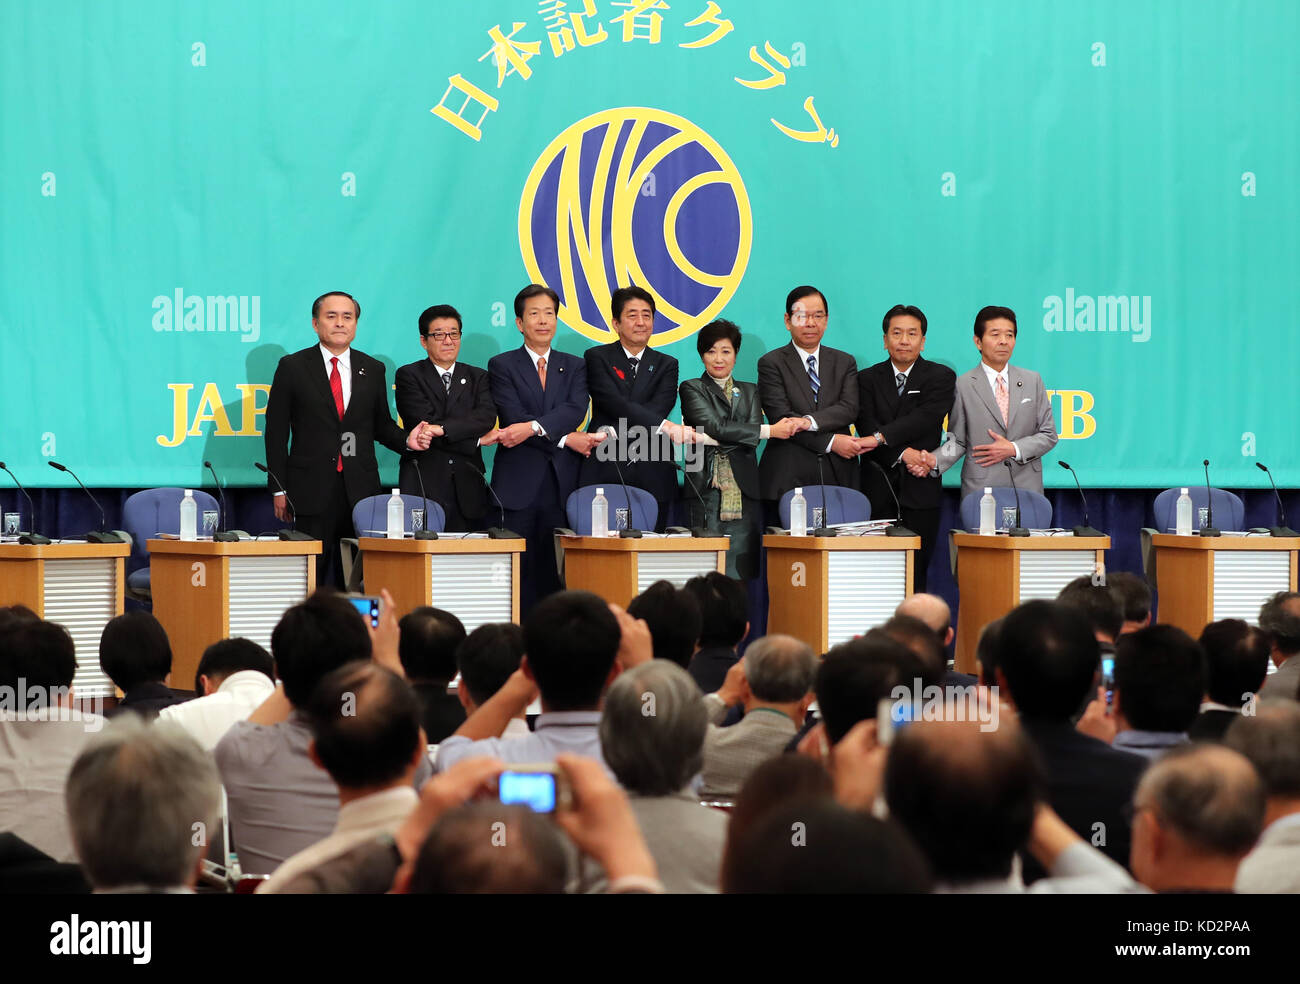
(819, 384)
(541, 398)
(901, 403)
(456, 400)
(333, 400)
(633, 389)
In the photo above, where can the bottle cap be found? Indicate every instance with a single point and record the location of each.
(988, 491)
(600, 491)
(189, 493)
(397, 491)
(1184, 491)
(799, 491)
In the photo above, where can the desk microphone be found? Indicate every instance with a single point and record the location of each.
(631, 533)
(33, 537)
(496, 532)
(1086, 529)
(898, 529)
(97, 536)
(1282, 530)
(1208, 529)
(220, 535)
(284, 534)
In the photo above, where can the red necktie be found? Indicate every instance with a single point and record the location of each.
(336, 387)
(541, 372)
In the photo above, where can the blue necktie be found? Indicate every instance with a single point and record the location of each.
(902, 381)
(812, 375)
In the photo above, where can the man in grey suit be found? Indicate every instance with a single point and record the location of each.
(1279, 619)
(1270, 740)
(1001, 413)
(816, 383)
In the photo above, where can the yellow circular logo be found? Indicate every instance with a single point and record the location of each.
(636, 196)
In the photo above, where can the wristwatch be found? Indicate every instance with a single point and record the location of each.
(880, 438)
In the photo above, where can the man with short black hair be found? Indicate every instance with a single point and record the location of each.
(1136, 596)
(811, 380)
(1000, 413)
(140, 798)
(365, 726)
(454, 398)
(135, 653)
(775, 689)
(1046, 662)
(857, 675)
(673, 616)
(541, 399)
(1236, 659)
(42, 733)
(921, 637)
(486, 659)
(724, 623)
(234, 677)
(633, 390)
(333, 401)
(1279, 619)
(430, 639)
(1270, 740)
(280, 801)
(1100, 604)
(1159, 683)
(571, 640)
(1196, 814)
(903, 402)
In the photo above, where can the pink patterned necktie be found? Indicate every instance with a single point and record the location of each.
(1003, 403)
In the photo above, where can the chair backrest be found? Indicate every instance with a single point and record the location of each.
(370, 515)
(644, 508)
(153, 511)
(841, 505)
(1229, 510)
(1035, 510)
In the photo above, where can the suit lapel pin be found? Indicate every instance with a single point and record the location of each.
(649, 368)
(463, 380)
(1019, 383)
(561, 369)
(361, 372)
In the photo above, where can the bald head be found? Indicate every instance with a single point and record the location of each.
(930, 609)
(938, 770)
(490, 848)
(1199, 810)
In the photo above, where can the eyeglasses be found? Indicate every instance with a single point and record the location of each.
(799, 317)
(438, 336)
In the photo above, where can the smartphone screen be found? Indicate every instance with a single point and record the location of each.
(368, 606)
(1108, 678)
(535, 790)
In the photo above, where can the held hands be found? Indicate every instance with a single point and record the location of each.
(788, 427)
(490, 438)
(988, 455)
(515, 434)
(849, 447)
(919, 463)
(421, 435)
(680, 433)
(582, 442)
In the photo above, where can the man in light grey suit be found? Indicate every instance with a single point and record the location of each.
(1279, 619)
(1271, 741)
(1001, 412)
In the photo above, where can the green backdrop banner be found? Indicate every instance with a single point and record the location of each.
(181, 179)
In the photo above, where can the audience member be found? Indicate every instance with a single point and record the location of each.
(1159, 682)
(463, 857)
(857, 675)
(816, 846)
(724, 623)
(280, 801)
(993, 781)
(1101, 604)
(652, 733)
(486, 659)
(1279, 619)
(922, 639)
(430, 639)
(1270, 740)
(775, 690)
(1135, 594)
(1196, 814)
(571, 642)
(673, 616)
(1046, 661)
(41, 732)
(233, 679)
(986, 653)
(1236, 661)
(143, 801)
(365, 726)
(135, 654)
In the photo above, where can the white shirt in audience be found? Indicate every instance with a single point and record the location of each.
(208, 718)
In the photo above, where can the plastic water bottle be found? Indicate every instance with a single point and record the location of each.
(798, 514)
(396, 516)
(988, 513)
(1183, 515)
(600, 514)
(189, 517)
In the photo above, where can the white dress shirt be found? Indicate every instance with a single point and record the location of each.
(208, 718)
(817, 366)
(345, 371)
(993, 376)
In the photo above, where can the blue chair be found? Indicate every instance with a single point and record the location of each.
(1229, 510)
(146, 515)
(370, 518)
(839, 505)
(644, 508)
(1035, 510)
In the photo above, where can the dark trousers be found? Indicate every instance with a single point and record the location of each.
(924, 523)
(742, 556)
(329, 526)
(536, 524)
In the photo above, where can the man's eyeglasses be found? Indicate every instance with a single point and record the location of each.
(800, 318)
(438, 336)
